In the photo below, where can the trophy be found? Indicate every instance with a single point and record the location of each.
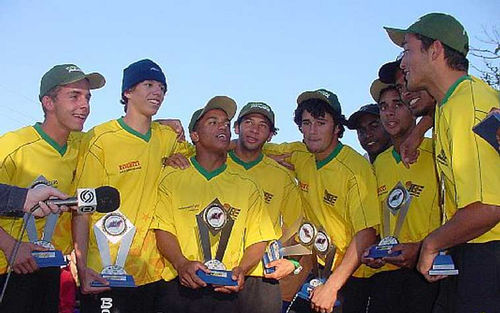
(397, 202)
(443, 263)
(51, 257)
(212, 221)
(488, 129)
(114, 228)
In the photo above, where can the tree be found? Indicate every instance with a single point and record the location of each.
(489, 56)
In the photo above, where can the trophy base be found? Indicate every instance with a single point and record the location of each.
(116, 281)
(306, 289)
(217, 277)
(273, 253)
(443, 272)
(382, 251)
(51, 258)
(443, 265)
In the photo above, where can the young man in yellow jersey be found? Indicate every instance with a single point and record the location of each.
(371, 134)
(191, 199)
(255, 126)
(50, 150)
(398, 287)
(127, 154)
(339, 187)
(435, 49)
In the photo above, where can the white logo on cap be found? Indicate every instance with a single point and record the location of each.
(324, 93)
(73, 68)
(261, 106)
(154, 69)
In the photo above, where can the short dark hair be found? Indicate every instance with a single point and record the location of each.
(388, 88)
(52, 94)
(124, 100)
(454, 59)
(318, 108)
(274, 130)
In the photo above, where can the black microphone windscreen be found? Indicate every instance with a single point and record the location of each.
(108, 199)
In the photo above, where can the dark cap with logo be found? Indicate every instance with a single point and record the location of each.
(352, 122)
(223, 103)
(64, 74)
(437, 26)
(258, 107)
(324, 95)
(140, 71)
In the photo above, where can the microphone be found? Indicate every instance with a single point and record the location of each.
(103, 199)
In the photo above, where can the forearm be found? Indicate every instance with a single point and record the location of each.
(6, 242)
(253, 254)
(169, 247)
(467, 223)
(352, 258)
(80, 233)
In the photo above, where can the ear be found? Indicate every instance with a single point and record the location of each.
(127, 93)
(236, 127)
(194, 136)
(436, 50)
(269, 138)
(336, 130)
(48, 104)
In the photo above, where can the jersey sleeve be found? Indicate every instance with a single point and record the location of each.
(258, 222)
(363, 203)
(164, 216)
(90, 171)
(291, 209)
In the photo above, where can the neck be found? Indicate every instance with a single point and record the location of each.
(400, 138)
(320, 156)
(210, 161)
(57, 133)
(138, 122)
(442, 81)
(246, 155)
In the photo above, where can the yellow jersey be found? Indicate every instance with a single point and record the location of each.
(469, 164)
(185, 193)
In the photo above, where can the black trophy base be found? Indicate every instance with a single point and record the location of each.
(51, 258)
(217, 277)
(116, 281)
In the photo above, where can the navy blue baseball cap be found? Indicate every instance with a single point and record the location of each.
(352, 122)
(140, 71)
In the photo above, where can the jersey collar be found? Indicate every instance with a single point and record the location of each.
(453, 87)
(396, 155)
(129, 129)
(335, 152)
(208, 175)
(246, 165)
(61, 149)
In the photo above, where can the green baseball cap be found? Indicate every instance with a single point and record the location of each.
(437, 26)
(64, 74)
(376, 88)
(223, 103)
(323, 95)
(258, 107)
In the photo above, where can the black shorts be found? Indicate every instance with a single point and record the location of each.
(476, 288)
(37, 292)
(403, 291)
(144, 299)
(355, 295)
(177, 298)
(259, 295)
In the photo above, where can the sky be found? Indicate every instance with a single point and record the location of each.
(259, 50)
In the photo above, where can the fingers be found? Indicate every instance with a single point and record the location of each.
(42, 210)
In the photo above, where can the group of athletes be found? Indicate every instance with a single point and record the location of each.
(269, 190)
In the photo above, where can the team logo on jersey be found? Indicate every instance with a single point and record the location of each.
(303, 186)
(268, 197)
(329, 198)
(233, 212)
(441, 158)
(129, 166)
(414, 189)
(381, 190)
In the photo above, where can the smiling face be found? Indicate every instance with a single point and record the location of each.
(372, 135)
(212, 132)
(146, 97)
(69, 106)
(394, 114)
(254, 131)
(420, 102)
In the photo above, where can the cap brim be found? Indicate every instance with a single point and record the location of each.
(397, 35)
(375, 89)
(224, 103)
(96, 80)
(308, 95)
(352, 122)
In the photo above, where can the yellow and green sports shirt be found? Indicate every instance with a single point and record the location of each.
(424, 214)
(468, 163)
(114, 154)
(281, 195)
(340, 191)
(26, 154)
(185, 193)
